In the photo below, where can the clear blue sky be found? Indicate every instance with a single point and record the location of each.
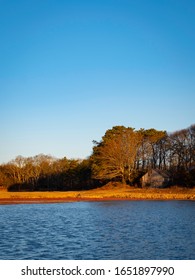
(71, 69)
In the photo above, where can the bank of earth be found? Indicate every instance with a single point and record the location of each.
(111, 191)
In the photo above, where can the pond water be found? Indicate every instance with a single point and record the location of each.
(98, 230)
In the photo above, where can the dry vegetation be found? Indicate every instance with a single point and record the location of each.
(111, 191)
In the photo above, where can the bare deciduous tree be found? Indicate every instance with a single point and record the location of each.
(114, 157)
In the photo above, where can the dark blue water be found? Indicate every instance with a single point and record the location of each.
(98, 230)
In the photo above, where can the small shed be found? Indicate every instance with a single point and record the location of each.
(155, 178)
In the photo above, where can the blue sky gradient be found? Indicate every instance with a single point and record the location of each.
(70, 70)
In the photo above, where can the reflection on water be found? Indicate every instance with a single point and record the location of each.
(98, 230)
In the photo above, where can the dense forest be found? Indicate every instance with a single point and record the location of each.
(123, 154)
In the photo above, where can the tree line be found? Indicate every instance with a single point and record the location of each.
(123, 154)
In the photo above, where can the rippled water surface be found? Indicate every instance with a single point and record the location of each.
(98, 230)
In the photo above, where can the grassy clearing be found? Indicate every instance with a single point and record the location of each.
(108, 192)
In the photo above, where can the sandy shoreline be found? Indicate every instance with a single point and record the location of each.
(100, 194)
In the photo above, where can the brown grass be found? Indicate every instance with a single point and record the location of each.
(111, 191)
